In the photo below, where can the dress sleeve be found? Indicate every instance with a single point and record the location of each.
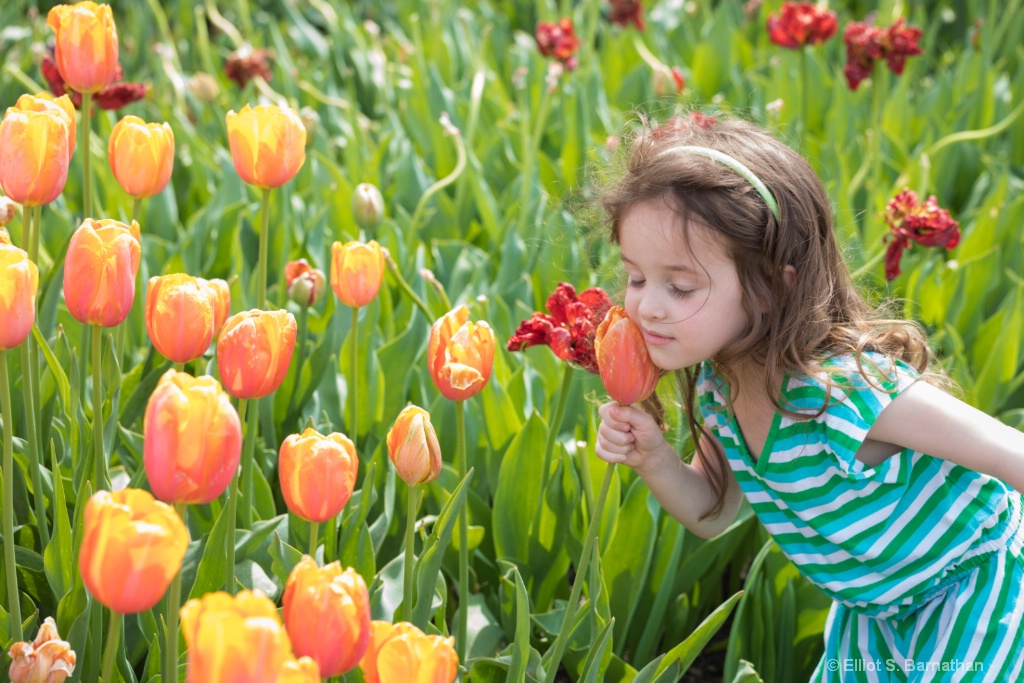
(709, 398)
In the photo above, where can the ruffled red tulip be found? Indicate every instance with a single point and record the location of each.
(246, 63)
(910, 221)
(460, 355)
(317, 474)
(254, 351)
(34, 155)
(19, 282)
(558, 40)
(801, 23)
(99, 271)
(179, 317)
(627, 372)
(86, 45)
(570, 327)
(626, 12)
(866, 44)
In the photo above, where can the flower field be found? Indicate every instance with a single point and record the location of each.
(304, 322)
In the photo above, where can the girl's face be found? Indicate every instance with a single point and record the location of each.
(687, 301)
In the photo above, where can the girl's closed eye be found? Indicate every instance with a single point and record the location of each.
(672, 289)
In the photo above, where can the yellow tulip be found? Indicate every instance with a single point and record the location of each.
(268, 144)
(357, 272)
(141, 156)
(45, 101)
(401, 653)
(301, 670)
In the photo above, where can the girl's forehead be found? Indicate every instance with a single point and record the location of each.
(653, 230)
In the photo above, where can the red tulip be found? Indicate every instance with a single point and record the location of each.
(801, 23)
(569, 329)
(627, 372)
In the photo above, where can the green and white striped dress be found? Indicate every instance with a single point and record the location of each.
(923, 558)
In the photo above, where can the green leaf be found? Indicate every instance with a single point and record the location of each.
(213, 566)
(687, 651)
(59, 553)
(521, 644)
(285, 558)
(592, 666)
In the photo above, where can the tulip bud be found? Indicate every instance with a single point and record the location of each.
(301, 670)
(306, 285)
(413, 447)
(367, 206)
(254, 351)
(204, 87)
(192, 439)
(401, 653)
(141, 156)
(19, 282)
(317, 473)
(36, 151)
(179, 317)
(99, 271)
(268, 144)
(357, 272)
(47, 659)
(234, 638)
(132, 548)
(86, 45)
(46, 102)
(460, 355)
(327, 614)
(219, 294)
(627, 372)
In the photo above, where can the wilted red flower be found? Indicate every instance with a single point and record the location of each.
(911, 221)
(558, 40)
(625, 11)
(801, 23)
(865, 44)
(245, 64)
(570, 328)
(113, 97)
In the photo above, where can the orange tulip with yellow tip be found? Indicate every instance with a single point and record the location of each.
(141, 156)
(301, 670)
(460, 354)
(86, 45)
(254, 351)
(413, 447)
(132, 547)
(317, 473)
(268, 144)
(19, 282)
(357, 272)
(45, 101)
(627, 372)
(234, 639)
(47, 659)
(327, 614)
(179, 317)
(35, 154)
(219, 294)
(192, 439)
(99, 271)
(401, 653)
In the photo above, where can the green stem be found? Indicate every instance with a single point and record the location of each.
(314, 529)
(29, 390)
(397, 272)
(460, 464)
(261, 282)
(410, 540)
(248, 464)
(234, 490)
(86, 179)
(110, 649)
(562, 640)
(123, 327)
(331, 540)
(173, 605)
(460, 166)
(803, 98)
(871, 263)
(10, 567)
(100, 465)
(877, 108)
(549, 446)
(180, 367)
(300, 355)
(354, 381)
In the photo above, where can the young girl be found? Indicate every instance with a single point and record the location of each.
(899, 501)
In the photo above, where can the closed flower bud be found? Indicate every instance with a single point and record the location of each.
(19, 282)
(627, 372)
(254, 351)
(357, 272)
(413, 447)
(45, 101)
(306, 284)
(192, 439)
(318, 473)
(179, 317)
(234, 639)
(367, 206)
(327, 614)
(99, 271)
(204, 87)
(268, 144)
(401, 653)
(219, 294)
(35, 154)
(301, 670)
(132, 547)
(460, 354)
(47, 659)
(86, 45)
(141, 156)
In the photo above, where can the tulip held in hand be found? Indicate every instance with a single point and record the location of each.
(179, 317)
(318, 474)
(99, 271)
(627, 372)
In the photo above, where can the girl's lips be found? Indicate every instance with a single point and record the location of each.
(655, 339)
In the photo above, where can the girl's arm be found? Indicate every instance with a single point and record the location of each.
(926, 419)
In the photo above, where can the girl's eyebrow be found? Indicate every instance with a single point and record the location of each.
(676, 268)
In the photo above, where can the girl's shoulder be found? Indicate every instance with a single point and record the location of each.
(846, 374)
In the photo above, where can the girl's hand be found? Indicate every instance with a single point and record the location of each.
(628, 435)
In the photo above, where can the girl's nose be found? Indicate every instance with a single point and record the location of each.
(651, 306)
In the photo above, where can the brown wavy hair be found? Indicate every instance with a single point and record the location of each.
(791, 329)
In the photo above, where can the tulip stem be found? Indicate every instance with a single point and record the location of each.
(232, 511)
(408, 290)
(261, 281)
(549, 447)
(86, 179)
(10, 567)
(180, 367)
(410, 540)
(353, 394)
(113, 636)
(173, 605)
(99, 467)
(803, 98)
(248, 463)
(123, 327)
(29, 390)
(314, 529)
(562, 640)
(460, 464)
(301, 356)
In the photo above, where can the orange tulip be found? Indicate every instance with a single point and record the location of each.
(132, 548)
(236, 639)
(627, 372)
(47, 659)
(35, 154)
(19, 281)
(301, 670)
(99, 271)
(219, 294)
(179, 317)
(413, 447)
(327, 614)
(86, 47)
(141, 156)
(401, 653)
(192, 439)
(357, 272)
(254, 351)
(45, 101)
(268, 144)
(317, 473)
(306, 284)
(460, 354)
